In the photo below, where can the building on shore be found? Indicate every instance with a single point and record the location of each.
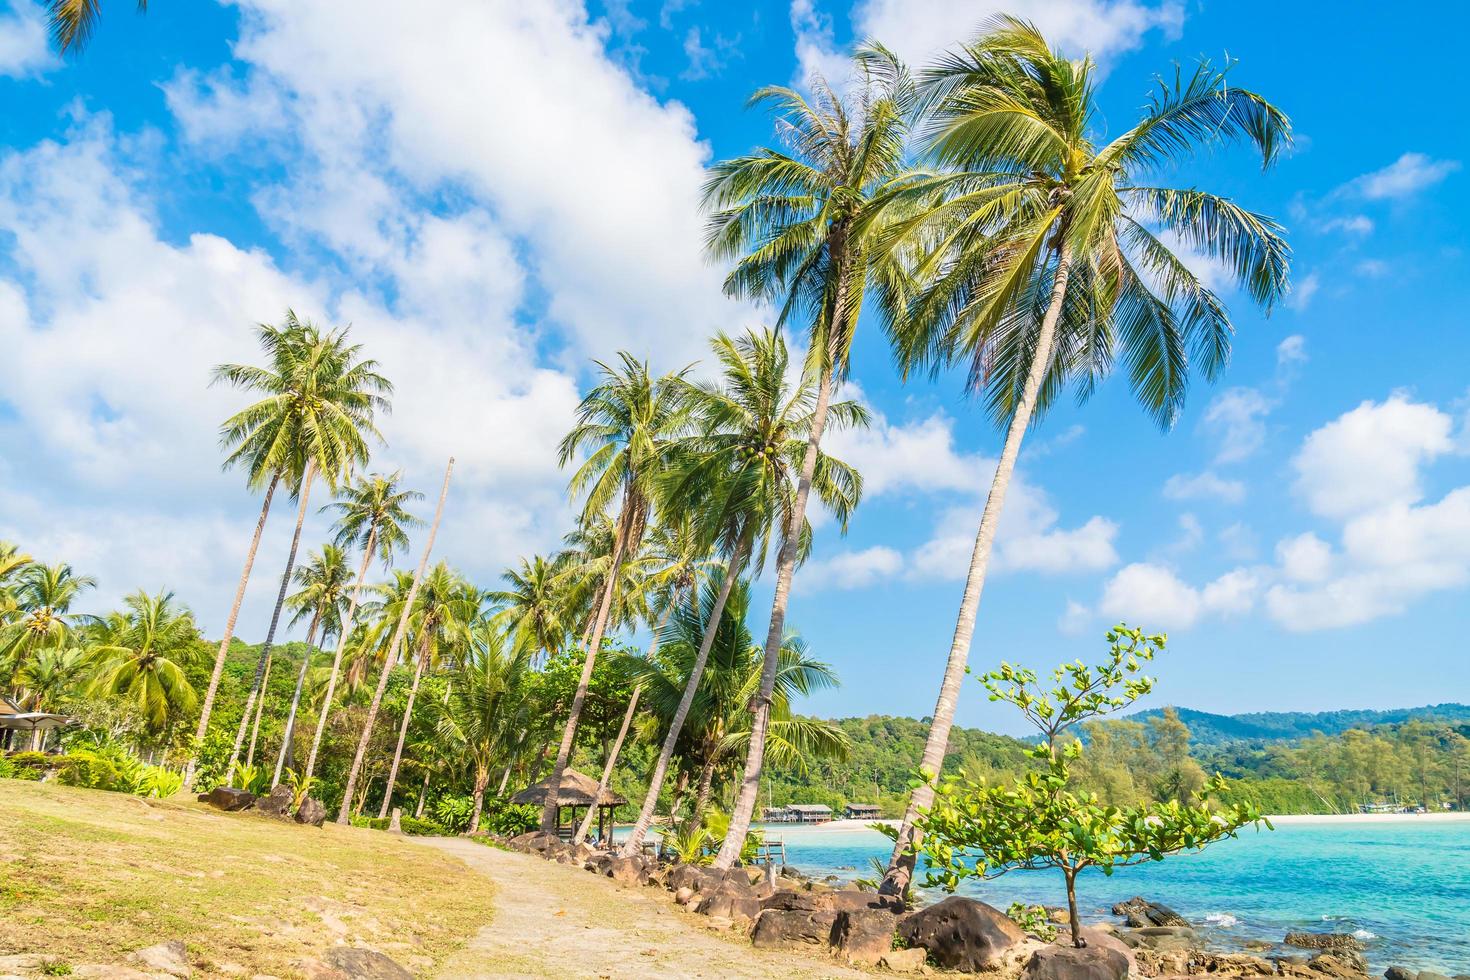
(860, 811)
(797, 813)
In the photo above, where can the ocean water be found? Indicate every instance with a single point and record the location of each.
(1404, 888)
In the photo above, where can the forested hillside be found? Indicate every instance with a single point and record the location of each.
(1213, 730)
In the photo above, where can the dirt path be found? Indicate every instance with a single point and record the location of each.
(554, 920)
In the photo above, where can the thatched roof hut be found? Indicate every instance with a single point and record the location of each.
(576, 790)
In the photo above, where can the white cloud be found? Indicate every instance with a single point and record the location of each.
(1353, 224)
(1303, 291)
(24, 50)
(1197, 486)
(918, 456)
(1238, 542)
(1406, 176)
(1370, 457)
(1028, 539)
(1304, 558)
(850, 569)
(1237, 418)
(1291, 351)
(1155, 597)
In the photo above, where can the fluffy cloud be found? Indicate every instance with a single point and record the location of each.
(1237, 418)
(1406, 176)
(23, 46)
(1370, 457)
(1196, 486)
(1157, 598)
(851, 569)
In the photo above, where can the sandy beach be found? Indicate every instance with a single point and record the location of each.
(851, 826)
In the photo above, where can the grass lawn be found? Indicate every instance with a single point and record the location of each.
(88, 876)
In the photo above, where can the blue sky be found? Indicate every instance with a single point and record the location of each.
(494, 193)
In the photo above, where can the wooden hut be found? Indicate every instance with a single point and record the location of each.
(860, 811)
(577, 791)
(810, 812)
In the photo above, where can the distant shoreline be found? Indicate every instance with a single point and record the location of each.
(849, 826)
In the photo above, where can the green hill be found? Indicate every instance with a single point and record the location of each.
(1209, 730)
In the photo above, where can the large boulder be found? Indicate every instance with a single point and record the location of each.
(864, 935)
(365, 964)
(311, 812)
(1140, 913)
(1072, 963)
(277, 803)
(729, 901)
(851, 900)
(904, 960)
(962, 934)
(1340, 964)
(227, 798)
(1324, 940)
(534, 841)
(778, 929)
(1400, 973)
(171, 958)
(627, 871)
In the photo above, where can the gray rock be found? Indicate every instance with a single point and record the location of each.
(961, 933)
(170, 957)
(1400, 973)
(365, 964)
(1323, 940)
(277, 803)
(1431, 975)
(904, 960)
(1071, 963)
(777, 929)
(864, 935)
(227, 798)
(311, 812)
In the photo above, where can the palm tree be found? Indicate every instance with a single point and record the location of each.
(142, 653)
(440, 620)
(12, 561)
(323, 580)
(673, 564)
(741, 475)
(373, 515)
(44, 595)
(807, 227)
(1045, 264)
(536, 607)
(72, 21)
(314, 421)
(630, 419)
(716, 730)
(480, 710)
(47, 679)
(392, 653)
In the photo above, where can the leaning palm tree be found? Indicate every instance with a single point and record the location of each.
(44, 595)
(1045, 262)
(315, 420)
(806, 227)
(741, 476)
(323, 580)
(629, 421)
(373, 515)
(440, 619)
(142, 654)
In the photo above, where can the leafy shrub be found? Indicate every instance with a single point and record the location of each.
(1034, 920)
(88, 770)
(252, 779)
(300, 787)
(509, 819)
(7, 768)
(454, 812)
(159, 782)
(691, 845)
(31, 760)
(413, 826)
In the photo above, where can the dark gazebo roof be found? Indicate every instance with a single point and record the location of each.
(576, 790)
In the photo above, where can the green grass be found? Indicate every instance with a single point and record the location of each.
(88, 876)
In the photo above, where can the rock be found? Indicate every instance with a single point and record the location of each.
(277, 803)
(730, 900)
(534, 842)
(853, 901)
(627, 871)
(1340, 964)
(110, 971)
(1399, 973)
(395, 821)
(365, 964)
(683, 895)
(1167, 939)
(864, 935)
(777, 929)
(311, 812)
(1431, 975)
(1323, 940)
(961, 933)
(22, 961)
(1071, 963)
(792, 901)
(1141, 913)
(904, 960)
(170, 957)
(227, 798)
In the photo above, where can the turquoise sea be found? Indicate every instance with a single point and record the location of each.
(1403, 887)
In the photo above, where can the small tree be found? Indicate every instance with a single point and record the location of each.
(976, 829)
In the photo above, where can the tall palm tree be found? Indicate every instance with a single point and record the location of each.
(479, 712)
(141, 655)
(440, 619)
(48, 678)
(716, 730)
(315, 420)
(536, 608)
(12, 561)
(1045, 262)
(629, 421)
(323, 580)
(740, 475)
(391, 656)
(373, 515)
(672, 565)
(44, 595)
(806, 227)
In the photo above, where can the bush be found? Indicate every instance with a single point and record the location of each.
(508, 819)
(454, 812)
(89, 771)
(31, 760)
(412, 826)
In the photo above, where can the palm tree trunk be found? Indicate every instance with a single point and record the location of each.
(413, 591)
(259, 710)
(418, 811)
(750, 782)
(634, 844)
(617, 747)
(482, 776)
(413, 692)
(287, 738)
(701, 798)
(224, 644)
(504, 780)
(343, 633)
(549, 812)
(901, 863)
(256, 689)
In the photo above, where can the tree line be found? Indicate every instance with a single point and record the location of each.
(972, 214)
